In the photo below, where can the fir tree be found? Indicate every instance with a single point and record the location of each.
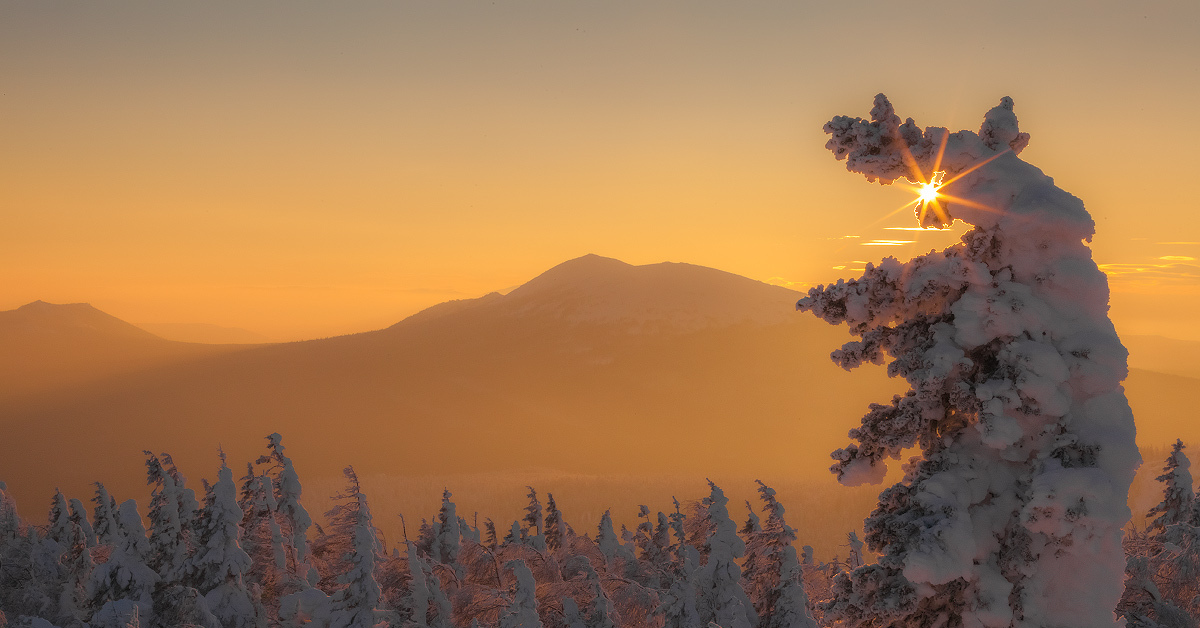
(168, 549)
(555, 527)
(296, 520)
(125, 575)
(765, 549)
(788, 602)
(1176, 506)
(606, 540)
(532, 531)
(677, 603)
(220, 564)
(105, 515)
(490, 541)
(356, 601)
(74, 602)
(720, 598)
(79, 518)
(522, 613)
(447, 539)
(600, 615)
(59, 529)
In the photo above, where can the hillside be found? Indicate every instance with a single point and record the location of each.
(45, 348)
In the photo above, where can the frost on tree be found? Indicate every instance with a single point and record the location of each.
(1012, 513)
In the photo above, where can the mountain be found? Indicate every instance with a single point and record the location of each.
(46, 347)
(594, 368)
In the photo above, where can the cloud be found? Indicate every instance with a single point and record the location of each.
(887, 242)
(1154, 273)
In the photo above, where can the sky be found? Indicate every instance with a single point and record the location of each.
(304, 169)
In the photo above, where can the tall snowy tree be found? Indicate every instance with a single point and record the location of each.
(105, 516)
(74, 605)
(556, 528)
(1013, 513)
(59, 529)
(295, 520)
(220, 564)
(168, 544)
(79, 518)
(448, 538)
(262, 538)
(788, 602)
(356, 602)
(720, 597)
(522, 612)
(532, 528)
(125, 575)
(765, 549)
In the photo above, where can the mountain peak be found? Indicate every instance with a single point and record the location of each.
(666, 296)
(40, 317)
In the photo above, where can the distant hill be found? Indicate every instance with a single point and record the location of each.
(1165, 355)
(46, 347)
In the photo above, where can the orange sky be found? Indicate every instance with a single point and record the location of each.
(305, 169)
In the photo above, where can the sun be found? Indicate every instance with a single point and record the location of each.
(929, 191)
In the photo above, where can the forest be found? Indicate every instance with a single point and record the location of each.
(247, 553)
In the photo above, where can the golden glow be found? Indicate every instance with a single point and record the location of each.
(928, 192)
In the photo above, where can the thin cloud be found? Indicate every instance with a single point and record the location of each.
(1173, 272)
(888, 242)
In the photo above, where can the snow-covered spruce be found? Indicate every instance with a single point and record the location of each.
(1012, 515)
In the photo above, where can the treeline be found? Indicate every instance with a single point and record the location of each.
(246, 553)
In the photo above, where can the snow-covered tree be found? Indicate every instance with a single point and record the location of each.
(555, 526)
(765, 549)
(10, 521)
(677, 603)
(262, 538)
(607, 541)
(168, 546)
(125, 575)
(490, 539)
(220, 564)
(105, 516)
(522, 613)
(601, 612)
(788, 602)
(79, 518)
(356, 602)
(1176, 506)
(533, 522)
(59, 528)
(720, 598)
(448, 537)
(74, 604)
(1012, 514)
(295, 520)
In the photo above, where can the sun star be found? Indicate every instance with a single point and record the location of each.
(929, 191)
